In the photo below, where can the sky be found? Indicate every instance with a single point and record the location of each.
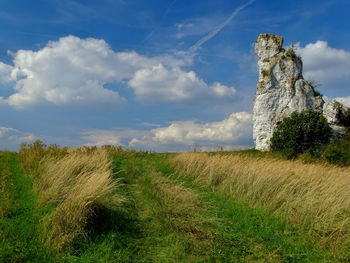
(154, 75)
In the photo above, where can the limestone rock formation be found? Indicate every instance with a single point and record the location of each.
(281, 89)
(337, 115)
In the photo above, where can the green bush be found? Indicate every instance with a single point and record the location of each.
(302, 132)
(337, 153)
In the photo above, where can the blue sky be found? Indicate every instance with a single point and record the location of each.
(154, 75)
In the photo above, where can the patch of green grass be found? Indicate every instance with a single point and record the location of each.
(19, 240)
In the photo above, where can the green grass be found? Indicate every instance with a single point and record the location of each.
(168, 218)
(19, 240)
(227, 231)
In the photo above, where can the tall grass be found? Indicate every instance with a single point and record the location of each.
(75, 183)
(4, 182)
(316, 197)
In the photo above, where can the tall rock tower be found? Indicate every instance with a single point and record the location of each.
(281, 89)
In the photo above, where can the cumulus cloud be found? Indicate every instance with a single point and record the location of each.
(5, 73)
(231, 132)
(11, 138)
(237, 126)
(74, 71)
(148, 84)
(327, 66)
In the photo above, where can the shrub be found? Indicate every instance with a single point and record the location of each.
(337, 153)
(302, 132)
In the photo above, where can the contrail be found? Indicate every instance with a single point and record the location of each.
(163, 16)
(219, 28)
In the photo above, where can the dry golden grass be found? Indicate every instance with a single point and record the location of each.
(313, 196)
(76, 182)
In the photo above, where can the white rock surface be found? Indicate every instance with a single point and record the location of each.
(281, 89)
(335, 113)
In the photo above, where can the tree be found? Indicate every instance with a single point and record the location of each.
(302, 132)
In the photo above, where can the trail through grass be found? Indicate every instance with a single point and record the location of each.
(207, 226)
(19, 239)
(167, 217)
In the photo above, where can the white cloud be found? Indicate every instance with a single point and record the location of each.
(234, 131)
(174, 84)
(327, 66)
(11, 138)
(74, 71)
(101, 137)
(237, 126)
(5, 73)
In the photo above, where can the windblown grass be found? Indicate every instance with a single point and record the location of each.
(75, 183)
(313, 196)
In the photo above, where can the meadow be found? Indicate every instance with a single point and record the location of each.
(109, 204)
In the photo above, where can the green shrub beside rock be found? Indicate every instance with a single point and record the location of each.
(302, 132)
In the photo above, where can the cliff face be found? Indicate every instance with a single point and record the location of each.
(281, 89)
(337, 115)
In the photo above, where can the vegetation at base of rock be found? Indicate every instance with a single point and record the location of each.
(302, 132)
(343, 115)
(337, 153)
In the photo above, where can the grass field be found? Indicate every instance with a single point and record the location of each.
(163, 208)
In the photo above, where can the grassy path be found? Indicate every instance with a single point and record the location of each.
(19, 239)
(168, 218)
(180, 221)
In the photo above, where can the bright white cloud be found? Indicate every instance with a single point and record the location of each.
(237, 126)
(231, 132)
(174, 84)
(11, 138)
(74, 71)
(327, 66)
